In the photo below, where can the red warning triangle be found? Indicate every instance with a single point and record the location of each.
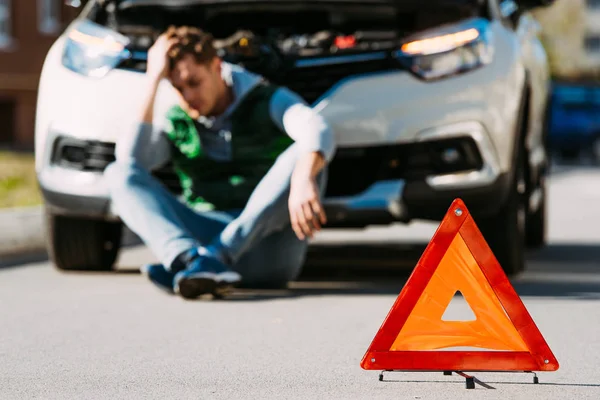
(414, 337)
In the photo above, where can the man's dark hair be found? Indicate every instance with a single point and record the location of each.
(192, 41)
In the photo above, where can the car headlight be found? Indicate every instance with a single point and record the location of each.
(93, 50)
(449, 51)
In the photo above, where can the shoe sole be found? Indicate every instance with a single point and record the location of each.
(192, 288)
(219, 286)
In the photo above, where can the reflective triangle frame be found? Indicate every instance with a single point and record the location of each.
(458, 221)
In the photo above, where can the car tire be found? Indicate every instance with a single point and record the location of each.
(536, 225)
(505, 231)
(78, 244)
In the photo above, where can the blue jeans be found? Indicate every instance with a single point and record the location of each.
(259, 239)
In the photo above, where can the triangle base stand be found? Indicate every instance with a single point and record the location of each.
(469, 379)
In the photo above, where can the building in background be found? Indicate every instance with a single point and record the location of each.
(26, 34)
(571, 35)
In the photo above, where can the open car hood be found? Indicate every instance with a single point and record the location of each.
(400, 3)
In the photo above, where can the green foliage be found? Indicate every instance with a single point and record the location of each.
(18, 182)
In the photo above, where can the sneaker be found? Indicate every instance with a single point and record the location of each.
(205, 274)
(160, 277)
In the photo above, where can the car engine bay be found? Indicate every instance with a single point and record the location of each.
(307, 47)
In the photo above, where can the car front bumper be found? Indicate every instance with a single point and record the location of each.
(382, 203)
(366, 186)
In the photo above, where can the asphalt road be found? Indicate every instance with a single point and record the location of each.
(109, 336)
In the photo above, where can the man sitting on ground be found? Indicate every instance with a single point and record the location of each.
(251, 158)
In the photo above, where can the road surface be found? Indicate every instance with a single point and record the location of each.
(108, 336)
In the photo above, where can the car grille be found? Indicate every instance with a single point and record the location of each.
(351, 171)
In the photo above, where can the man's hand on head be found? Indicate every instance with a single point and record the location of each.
(306, 209)
(158, 68)
(158, 57)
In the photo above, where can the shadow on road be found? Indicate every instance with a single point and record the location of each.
(568, 257)
(14, 261)
(559, 270)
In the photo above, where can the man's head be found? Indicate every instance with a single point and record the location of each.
(195, 71)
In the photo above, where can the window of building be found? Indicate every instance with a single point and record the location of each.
(49, 16)
(5, 23)
(592, 44)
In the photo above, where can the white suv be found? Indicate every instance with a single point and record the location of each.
(430, 100)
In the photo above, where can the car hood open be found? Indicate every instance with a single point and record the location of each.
(400, 3)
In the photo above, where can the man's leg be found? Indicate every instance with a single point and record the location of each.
(273, 263)
(257, 241)
(267, 209)
(167, 226)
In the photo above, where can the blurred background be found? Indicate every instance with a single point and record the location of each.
(27, 30)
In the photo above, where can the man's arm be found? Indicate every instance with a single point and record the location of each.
(147, 146)
(152, 86)
(316, 145)
(308, 128)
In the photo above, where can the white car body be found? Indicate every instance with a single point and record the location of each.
(386, 108)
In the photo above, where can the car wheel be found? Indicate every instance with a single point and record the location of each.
(505, 231)
(77, 244)
(536, 222)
